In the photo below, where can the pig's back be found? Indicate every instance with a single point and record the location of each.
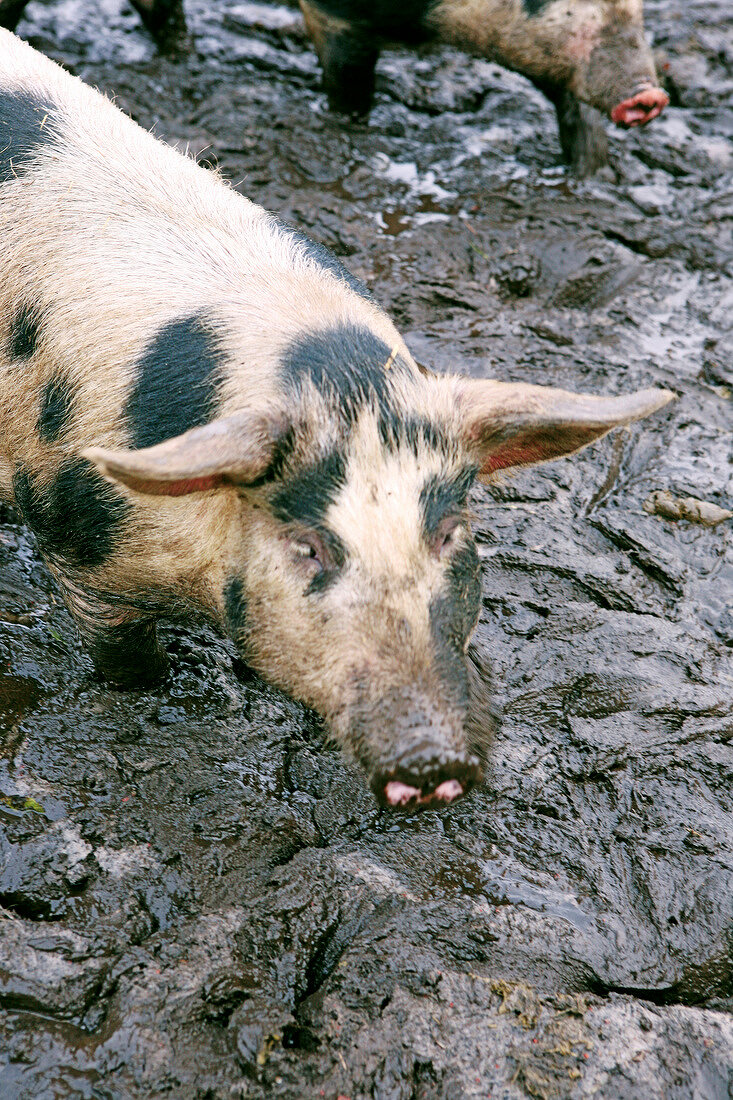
(139, 294)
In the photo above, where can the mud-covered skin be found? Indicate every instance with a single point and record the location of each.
(577, 903)
(583, 56)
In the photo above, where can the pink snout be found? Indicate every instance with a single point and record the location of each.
(426, 776)
(401, 794)
(642, 107)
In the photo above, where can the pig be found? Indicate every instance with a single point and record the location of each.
(581, 54)
(203, 413)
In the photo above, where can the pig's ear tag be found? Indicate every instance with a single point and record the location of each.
(234, 450)
(507, 424)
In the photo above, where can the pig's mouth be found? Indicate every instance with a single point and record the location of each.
(425, 780)
(645, 104)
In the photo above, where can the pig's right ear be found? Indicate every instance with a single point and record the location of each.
(507, 424)
(234, 450)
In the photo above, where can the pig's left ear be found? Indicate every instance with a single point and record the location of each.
(234, 450)
(507, 424)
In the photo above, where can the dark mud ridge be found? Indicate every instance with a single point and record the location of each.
(199, 898)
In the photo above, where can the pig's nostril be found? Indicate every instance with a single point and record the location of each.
(418, 781)
(646, 103)
(402, 794)
(446, 792)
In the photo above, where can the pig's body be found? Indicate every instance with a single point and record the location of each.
(581, 53)
(203, 412)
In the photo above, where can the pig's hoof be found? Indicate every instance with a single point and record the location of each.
(640, 108)
(429, 780)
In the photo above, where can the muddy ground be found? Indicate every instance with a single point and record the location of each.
(201, 900)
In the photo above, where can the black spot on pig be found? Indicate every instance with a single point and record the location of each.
(26, 128)
(24, 332)
(322, 581)
(175, 384)
(534, 7)
(441, 496)
(464, 592)
(56, 406)
(305, 497)
(77, 518)
(453, 616)
(326, 259)
(415, 432)
(235, 604)
(347, 362)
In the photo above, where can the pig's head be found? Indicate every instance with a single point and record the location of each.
(346, 569)
(610, 64)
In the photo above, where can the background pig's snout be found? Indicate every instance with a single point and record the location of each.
(427, 776)
(645, 104)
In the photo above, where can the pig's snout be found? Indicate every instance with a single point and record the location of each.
(645, 104)
(426, 777)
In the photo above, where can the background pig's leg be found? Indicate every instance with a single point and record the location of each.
(10, 13)
(348, 63)
(121, 640)
(582, 134)
(165, 20)
(348, 58)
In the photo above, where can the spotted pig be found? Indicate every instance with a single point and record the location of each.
(580, 53)
(202, 412)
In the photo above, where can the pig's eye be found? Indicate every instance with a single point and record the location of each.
(447, 535)
(312, 552)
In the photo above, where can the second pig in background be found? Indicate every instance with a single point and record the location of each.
(584, 55)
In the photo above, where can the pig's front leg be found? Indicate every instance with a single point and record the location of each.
(582, 134)
(121, 641)
(166, 22)
(10, 13)
(348, 58)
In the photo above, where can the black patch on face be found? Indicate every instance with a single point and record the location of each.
(386, 19)
(453, 615)
(323, 581)
(77, 518)
(175, 386)
(326, 259)
(26, 128)
(56, 406)
(304, 498)
(464, 591)
(347, 362)
(235, 604)
(24, 333)
(397, 430)
(534, 7)
(443, 495)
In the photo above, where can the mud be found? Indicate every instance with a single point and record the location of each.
(201, 899)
